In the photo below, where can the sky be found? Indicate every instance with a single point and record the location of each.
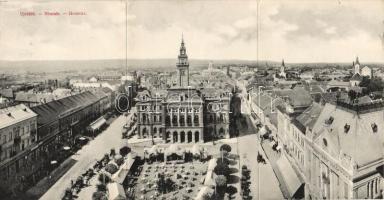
(293, 30)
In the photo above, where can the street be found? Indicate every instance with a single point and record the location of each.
(87, 156)
(264, 184)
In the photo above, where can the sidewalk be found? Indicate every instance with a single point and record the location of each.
(272, 157)
(264, 184)
(87, 156)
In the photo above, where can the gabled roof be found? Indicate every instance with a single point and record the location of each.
(55, 109)
(356, 77)
(15, 114)
(360, 133)
(309, 116)
(8, 93)
(335, 83)
(297, 97)
(34, 97)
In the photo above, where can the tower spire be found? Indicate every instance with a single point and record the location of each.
(183, 65)
(282, 63)
(357, 60)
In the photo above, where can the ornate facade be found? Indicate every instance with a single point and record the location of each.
(183, 114)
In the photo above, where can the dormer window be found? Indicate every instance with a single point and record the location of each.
(346, 128)
(329, 121)
(374, 127)
(325, 142)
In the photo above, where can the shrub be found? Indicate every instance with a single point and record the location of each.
(103, 178)
(111, 168)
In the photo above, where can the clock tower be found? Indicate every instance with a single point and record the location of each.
(183, 66)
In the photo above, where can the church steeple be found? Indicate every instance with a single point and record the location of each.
(282, 63)
(357, 60)
(183, 66)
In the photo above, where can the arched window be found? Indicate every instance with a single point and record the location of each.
(168, 120)
(155, 130)
(221, 131)
(182, 120)
(211, 119)
(196, 119)
(174, 120)
(189, 120)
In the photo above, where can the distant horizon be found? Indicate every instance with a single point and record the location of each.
(193, 59)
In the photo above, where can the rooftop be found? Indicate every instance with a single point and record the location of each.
(15, 114)
(345, 132)
(55, 109)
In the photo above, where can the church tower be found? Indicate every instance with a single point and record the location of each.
(357, 66)
(183, 66)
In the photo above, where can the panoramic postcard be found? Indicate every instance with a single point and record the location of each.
(191, 99)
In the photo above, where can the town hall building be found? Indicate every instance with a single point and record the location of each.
(183, 113)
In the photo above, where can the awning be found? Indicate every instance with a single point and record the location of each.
(98, 123)
(291, 179)
(116, 192)
(174, 149)
(122, 173)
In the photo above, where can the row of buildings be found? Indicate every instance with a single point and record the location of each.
(32, 139)
(333, 146)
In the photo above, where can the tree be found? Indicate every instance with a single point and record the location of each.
(169, 184)
(99, 196)
(222, 169)
(119, 161)
(207, 196)
(161, 184)
(103, 178)
(374, 84)
(111, 168)
(226, 148)
(112, 153)
(124, 151)
(101, 187)
(221, 184)
(352, 95)
(223, 161)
